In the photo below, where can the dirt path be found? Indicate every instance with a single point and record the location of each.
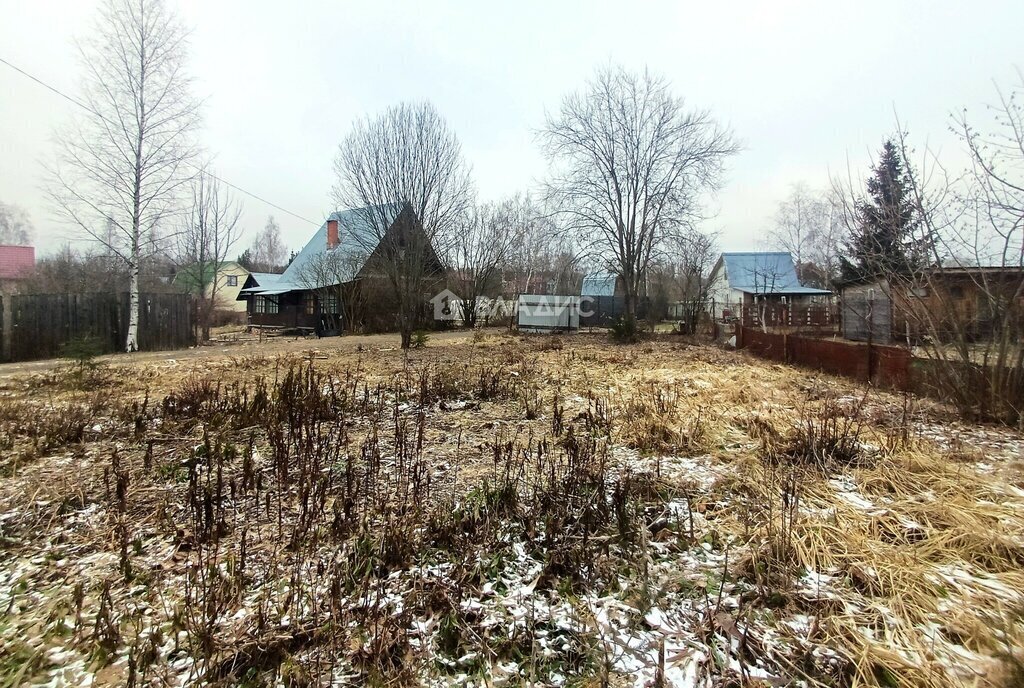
(244, 347)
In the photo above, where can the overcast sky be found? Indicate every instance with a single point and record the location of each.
(808, 87)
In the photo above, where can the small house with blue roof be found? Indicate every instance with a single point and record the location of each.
(338, 280)
(746, 279)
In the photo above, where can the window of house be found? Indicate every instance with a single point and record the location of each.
(309, 303)
(232, 280)
(265, 304)
(329, 304)
(956, 292)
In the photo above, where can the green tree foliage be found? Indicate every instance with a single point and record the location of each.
(883, 240)
(245, 259)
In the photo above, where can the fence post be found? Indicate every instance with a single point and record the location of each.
(871, 360)
(5, 299)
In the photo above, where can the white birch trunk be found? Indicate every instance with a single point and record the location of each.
(132, 341)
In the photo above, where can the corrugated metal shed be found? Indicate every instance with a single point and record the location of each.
(540, 313)
(598, 284)
(765, 273)
(867, 311)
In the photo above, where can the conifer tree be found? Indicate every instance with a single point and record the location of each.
(882, 242)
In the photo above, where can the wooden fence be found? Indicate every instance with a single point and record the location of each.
(39, 325)
(987, 393)
(602, 311)
(885, 366)
(780, 315)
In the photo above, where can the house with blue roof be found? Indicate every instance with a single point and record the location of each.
(339, 279)
(746, 279)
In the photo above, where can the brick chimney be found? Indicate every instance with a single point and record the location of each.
(332, 233)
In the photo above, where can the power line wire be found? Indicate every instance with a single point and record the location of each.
(88, 109)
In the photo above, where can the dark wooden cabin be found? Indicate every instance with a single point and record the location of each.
(339, 280)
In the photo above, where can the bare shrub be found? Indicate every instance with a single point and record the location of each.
(653, 421)
(825, 438)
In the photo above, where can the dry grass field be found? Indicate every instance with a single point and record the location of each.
(499, 510)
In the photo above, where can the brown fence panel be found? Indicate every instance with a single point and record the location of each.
(891, 367)
(885, 366)
(988, 392)
(39, 325)
(764, 344)
(164, 321)
(832, 357)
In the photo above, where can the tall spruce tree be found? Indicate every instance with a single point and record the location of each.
(882, 243)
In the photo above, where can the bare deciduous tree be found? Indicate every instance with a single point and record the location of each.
(15, 226)
(205, 240)
(545, 259)
(695, 257)
(267, 253)
(481, 246)
(405, 158)
(809, 225)
(967, 306)
(765, 276)
(328, 274)
(119, 169)
(629, 163)
(93, 269)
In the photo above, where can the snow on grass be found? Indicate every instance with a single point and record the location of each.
(677, 599)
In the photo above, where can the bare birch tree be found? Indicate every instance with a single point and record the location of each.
(404, 164)
(808, 224)
(267, 253)
(629, 164)
(204, 242)
(544, 253)
(15, 225)
(120, 167)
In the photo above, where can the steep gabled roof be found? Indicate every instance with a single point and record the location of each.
(764, 273)
(356, 241)
(261, 283)
(266, 278)
(598, 284)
